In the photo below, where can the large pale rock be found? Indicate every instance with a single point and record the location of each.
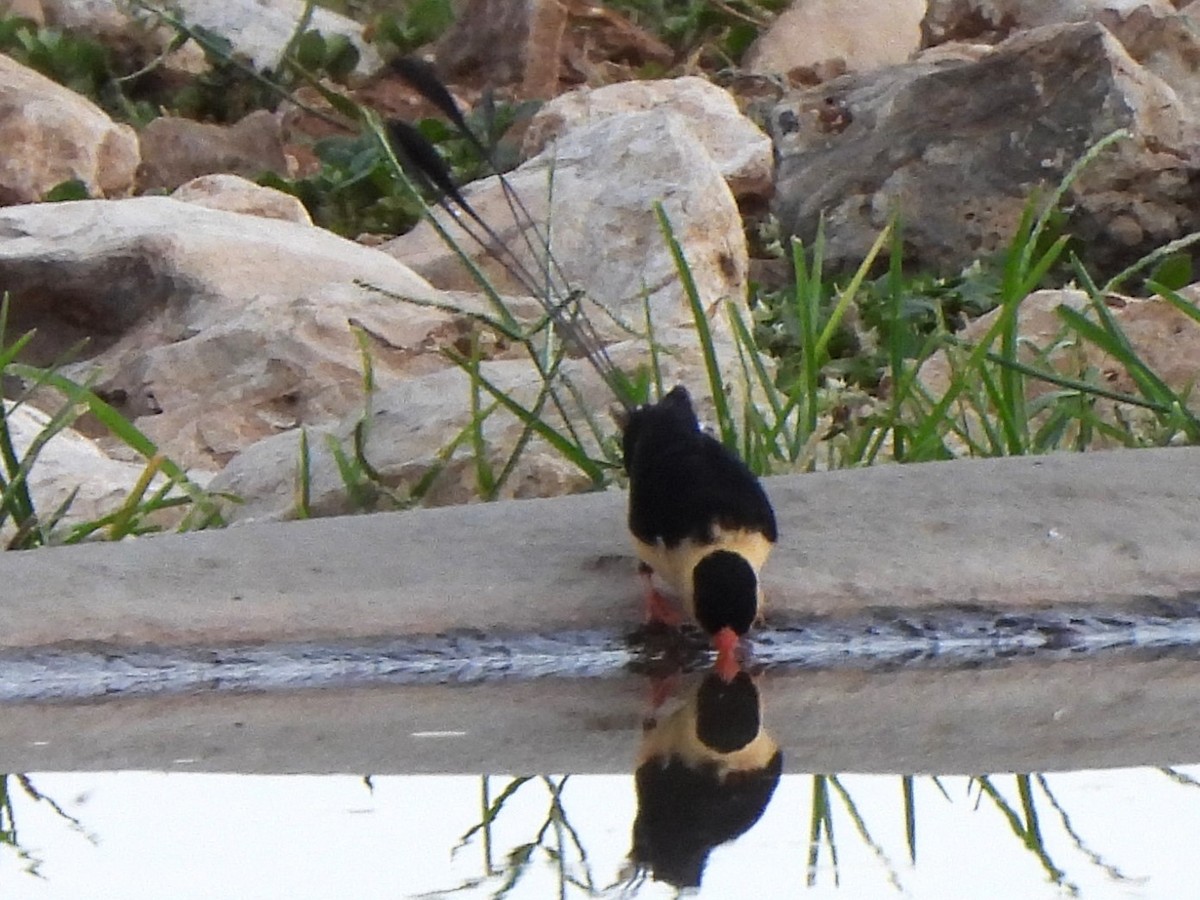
(176, 150)
(213, 329)
(235, 194)
(741, 150)
(51, 134)
(605, 178)
(417, 439)
(958, 148)
(862, 34)
(258, 29)
(410, 433)
(607, 173)
(261, 29)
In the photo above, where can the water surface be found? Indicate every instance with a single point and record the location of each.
(1101, 834)
(1065, 770)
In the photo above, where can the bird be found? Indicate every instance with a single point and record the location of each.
(699, 519)
(704, 776)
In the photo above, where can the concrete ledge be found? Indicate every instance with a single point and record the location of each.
(1007, 533)
(1105, 528)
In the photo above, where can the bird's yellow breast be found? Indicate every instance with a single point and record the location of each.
(674, 565)
(676, 737)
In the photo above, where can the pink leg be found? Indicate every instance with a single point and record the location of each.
(661, 690)
(658, 607)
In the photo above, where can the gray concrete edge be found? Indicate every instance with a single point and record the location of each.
(1106, 527)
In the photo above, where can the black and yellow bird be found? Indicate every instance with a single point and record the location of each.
(700, 520)
(704, 776)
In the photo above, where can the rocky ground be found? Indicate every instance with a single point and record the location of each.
(221, 320)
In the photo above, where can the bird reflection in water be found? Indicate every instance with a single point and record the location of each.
(705, 773)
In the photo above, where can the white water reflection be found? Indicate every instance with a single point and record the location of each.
(151, 835)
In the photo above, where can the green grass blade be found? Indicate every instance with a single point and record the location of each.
(1075, 384)
(1108, 337)
(910, 817)
(808, 310)
(125, 518)
(1150, 260)
(848, 293)
(485, 480)
(725, 422)
(1177, 300)
(656, 373)
(303, 505)
(493, 810)
(571, 451)
(127, 433)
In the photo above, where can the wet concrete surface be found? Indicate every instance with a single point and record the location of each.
(1119, 710)
(1062, 556)
(946, 638)
(1003, 534)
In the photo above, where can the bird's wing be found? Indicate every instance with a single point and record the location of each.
(698, 484)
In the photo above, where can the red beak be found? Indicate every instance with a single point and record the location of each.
(727, 665)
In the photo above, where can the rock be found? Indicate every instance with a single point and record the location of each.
(991, 21)
(1152, 32)
(418, 443)
(863, 34)
(740, 149)
(261, 29)
(257, 29)
(1165, 42)
(24, 9)
(212, 329)
(134, 34)
(68, 462)
(607, 173)
(411, 430)
(540, 45)
(954, 52)
(1164, 338)
(959, 147)
(104, 18)
(606, 176)
(235, 194)
(51, 134)
(513, 43)
(176, 150)
(602, 46)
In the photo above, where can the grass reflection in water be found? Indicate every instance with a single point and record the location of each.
(1093, 834)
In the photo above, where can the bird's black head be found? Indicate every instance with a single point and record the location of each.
(725, 592)
(728, 716)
